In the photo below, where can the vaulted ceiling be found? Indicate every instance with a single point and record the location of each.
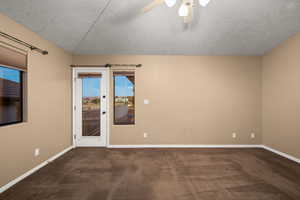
(224, 27)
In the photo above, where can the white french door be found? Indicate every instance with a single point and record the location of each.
(90, 106)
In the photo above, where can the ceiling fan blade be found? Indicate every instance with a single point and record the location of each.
(189, 18)
(152, 5)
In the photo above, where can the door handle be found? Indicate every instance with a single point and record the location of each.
(104, 112)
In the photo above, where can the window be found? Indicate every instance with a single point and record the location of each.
(13, 67)
(11, 99)
(124, 108)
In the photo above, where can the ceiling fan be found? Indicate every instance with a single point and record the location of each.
(185, 10)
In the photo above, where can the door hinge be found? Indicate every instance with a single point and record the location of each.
(75, 137)
(74, 107)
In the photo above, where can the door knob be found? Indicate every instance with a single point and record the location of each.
(103, 113)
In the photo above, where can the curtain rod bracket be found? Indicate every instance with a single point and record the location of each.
(45, 52)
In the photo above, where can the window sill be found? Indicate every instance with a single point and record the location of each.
(13, 124)
(123, 124)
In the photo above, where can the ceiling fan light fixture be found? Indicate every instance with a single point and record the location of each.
(204, 3)
(170, 3)
(183, 10)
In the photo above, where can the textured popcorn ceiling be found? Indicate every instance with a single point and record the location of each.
(224, 27)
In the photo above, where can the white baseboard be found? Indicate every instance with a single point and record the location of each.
(186, 146)
(282, 154)
(18, 179)
(206, 146)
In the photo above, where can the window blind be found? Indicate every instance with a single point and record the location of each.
(13, 58)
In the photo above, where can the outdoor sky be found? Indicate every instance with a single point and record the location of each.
(10, 74)
(123, 87)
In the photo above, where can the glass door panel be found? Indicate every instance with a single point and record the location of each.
(91, 106)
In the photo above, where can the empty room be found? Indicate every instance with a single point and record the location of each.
(150, 100)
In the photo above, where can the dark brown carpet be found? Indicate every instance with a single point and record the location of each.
(162, 174)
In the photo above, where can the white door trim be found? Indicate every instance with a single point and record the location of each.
(107, 88)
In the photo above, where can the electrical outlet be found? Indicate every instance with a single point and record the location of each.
(145, 135)
(233, 135)
(36, 152)
(252, 135)
(146, 101)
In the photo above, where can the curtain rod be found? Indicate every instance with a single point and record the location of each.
(109, 65)
(31, 47)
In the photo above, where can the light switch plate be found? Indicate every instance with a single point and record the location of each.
(233, 135)
(146, 101)
(36, 152)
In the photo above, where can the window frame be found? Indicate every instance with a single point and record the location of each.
(21, 97)
(114, 104)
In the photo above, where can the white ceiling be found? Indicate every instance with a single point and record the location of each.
(224, 27)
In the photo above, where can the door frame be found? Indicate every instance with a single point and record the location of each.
(107, 83)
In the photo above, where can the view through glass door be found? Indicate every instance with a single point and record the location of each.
(90, 107)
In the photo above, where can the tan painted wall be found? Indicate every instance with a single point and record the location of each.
(281, 97)
(49, 108)
(193, 99)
